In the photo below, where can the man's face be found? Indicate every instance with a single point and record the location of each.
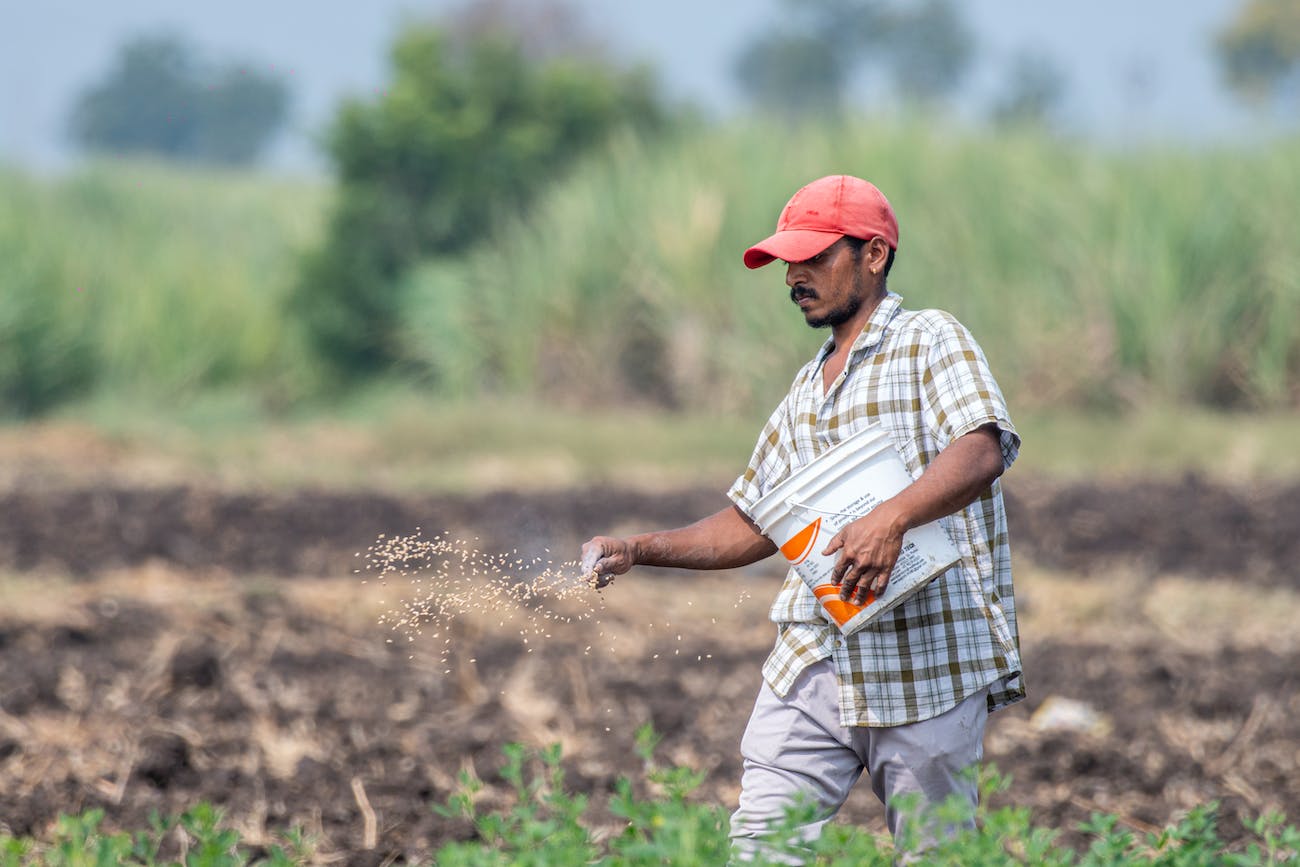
(829, 288)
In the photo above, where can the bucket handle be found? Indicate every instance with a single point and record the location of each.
(795, 506)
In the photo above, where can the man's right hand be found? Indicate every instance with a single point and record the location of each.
(604, 557)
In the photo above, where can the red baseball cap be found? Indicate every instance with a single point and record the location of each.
(822, 213)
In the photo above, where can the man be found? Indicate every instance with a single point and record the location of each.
(905, 698)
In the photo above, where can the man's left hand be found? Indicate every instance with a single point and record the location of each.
(869, 548)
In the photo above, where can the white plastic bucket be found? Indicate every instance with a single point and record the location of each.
(817, 500)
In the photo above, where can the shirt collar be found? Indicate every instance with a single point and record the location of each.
(873, 332)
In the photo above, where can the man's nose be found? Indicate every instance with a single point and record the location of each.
(794, 273)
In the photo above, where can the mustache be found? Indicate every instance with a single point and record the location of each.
(800, 291)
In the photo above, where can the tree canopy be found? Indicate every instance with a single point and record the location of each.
(1259, 52)
(473, 123)
(1032, 92)
(161, 98)
(923, 49)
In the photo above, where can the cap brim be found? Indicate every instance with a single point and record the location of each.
(791, 245)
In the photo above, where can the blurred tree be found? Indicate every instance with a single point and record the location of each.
(930, 48)
(1259, 52)
(793, 74)
(240, 115)
(476, 120)
(541, 29)
(160, 99)
(145, 104)
(1034, 90)
(805, 68)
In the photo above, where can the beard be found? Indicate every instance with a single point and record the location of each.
(836, 315)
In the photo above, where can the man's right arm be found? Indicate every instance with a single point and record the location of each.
(724, 540)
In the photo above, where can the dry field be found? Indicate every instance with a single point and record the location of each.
(165, 644)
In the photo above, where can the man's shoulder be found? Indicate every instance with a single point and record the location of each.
(928, 323)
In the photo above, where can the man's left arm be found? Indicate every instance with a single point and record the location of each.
(869, 547)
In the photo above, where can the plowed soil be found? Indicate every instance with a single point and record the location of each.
(162, 646)
(1186, 527)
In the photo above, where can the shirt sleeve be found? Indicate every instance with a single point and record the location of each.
(959, 390)
(769, 464)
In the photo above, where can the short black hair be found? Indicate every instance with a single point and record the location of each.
(856, 245)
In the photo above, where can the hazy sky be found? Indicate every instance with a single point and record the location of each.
(1137, 69)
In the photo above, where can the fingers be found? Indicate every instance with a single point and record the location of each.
(602, 559)
(867, 555)
(861, 584)
(592, 552)
(843, 567)
(878, 586)
(854, 581)
(598, 576)
(848, 575)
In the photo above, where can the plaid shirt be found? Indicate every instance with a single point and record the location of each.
(922, 377)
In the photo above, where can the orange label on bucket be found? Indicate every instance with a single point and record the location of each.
(836, 607)
(800, 545)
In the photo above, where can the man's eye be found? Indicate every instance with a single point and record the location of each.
(810, 261)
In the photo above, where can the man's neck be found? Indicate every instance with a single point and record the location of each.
(847, 332)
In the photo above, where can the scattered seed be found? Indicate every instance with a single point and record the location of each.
(451, 579)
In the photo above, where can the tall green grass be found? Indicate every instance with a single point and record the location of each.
(136, 278)
(1092, 279)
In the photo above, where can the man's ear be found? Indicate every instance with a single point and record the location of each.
(877, 255)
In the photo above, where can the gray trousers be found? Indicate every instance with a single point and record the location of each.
(796, 751)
